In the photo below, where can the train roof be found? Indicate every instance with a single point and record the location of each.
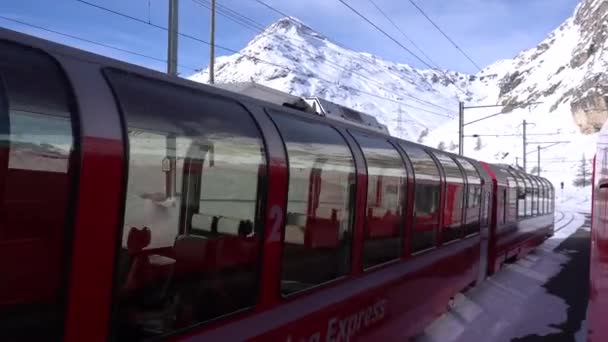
(246, 93)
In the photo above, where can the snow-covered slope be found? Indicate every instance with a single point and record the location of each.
(567, 73)
(291, 57)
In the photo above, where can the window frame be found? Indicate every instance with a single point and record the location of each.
(434, 180)
(352, 201)
(69, 225)
(519, 186)
(403, 229)
(529, 186)
(474, 181)
(461, 183)
(111, 75)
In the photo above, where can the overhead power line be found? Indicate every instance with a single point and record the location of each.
(94, 42)
(271, 8)
(444, 34)
(437, 68)
(386, 34)
(254, 57)
(509, 135)
(232, 15)
(402, 33)
(334, 65)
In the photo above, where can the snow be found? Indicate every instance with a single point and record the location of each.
(513, 303)
(292, 57)
(299, 61)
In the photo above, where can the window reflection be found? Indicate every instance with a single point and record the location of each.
(38, 173)
(318, 232)
(190, 244)
(455, 198)
(385, 199)
(426, 198)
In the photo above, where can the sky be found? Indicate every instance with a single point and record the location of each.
(487, 30)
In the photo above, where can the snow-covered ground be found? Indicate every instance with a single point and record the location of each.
(526, 298)
(574, 199)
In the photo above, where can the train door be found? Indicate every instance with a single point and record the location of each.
(39, 166)
(486, 197)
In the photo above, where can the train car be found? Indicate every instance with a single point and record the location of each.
(597, 307)
(523, 215)
(140, 206)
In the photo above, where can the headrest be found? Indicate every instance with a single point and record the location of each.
(138, 239)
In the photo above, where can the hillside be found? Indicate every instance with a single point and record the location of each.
(566, 73)
(292, 57)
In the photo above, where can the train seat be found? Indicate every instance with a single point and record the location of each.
(228, 226)
(321, 232)
(202, 222)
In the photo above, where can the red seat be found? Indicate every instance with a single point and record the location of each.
(322, 233)
(138, 272)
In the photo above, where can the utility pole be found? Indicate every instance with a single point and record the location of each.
(538, 162)
(584, 171)
(171, 141)
(460, 127)
(212, 45)
(172, 41)
(524, 157)
(399, 130)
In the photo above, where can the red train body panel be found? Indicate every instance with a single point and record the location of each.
(142, 206)
(597, 308)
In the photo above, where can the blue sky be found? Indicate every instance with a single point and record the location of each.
(488, 30)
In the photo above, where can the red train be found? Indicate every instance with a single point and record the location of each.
(597, 307)
(140, 206)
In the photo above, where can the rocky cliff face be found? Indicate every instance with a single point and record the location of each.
(569, 68)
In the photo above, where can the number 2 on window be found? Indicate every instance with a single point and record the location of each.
(276, 215)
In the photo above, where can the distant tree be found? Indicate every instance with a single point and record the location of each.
(423, 134)
(478, 144)
(453, 146)
(441, 146)
(583, 174)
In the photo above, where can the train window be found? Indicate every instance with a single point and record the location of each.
(528, 194)
(551, 198)
(191, 239)
(550, 194)
(426, 198)
(544, 196)
(505, 206)
(535, 194)
(386, 181)
(511, 201)
(36, 186)
(541, 196)
(455, 198)
(473, 212)
(548, 197)
(521, 195)
(318, 230)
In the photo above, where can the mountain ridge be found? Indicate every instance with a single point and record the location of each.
(292, 57)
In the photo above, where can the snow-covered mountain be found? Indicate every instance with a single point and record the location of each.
(567, 73)
(292, 57)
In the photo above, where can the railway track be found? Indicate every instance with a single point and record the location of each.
(564, 220)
